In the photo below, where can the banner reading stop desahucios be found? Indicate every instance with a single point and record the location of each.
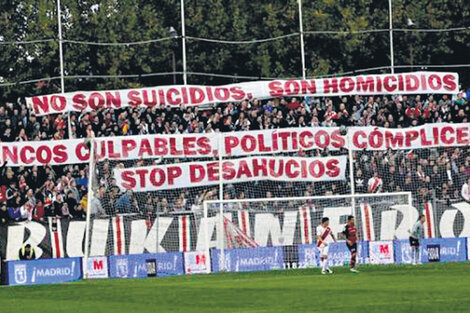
(194, 174)
(193, 95)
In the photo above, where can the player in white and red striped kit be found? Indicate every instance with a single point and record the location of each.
(324, 237)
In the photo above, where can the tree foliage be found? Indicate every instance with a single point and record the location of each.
(234, 20)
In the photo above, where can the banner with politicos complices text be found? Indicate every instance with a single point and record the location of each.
(195, 95)
(233, 144)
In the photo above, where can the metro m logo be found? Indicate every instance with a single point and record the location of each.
(384, 249)
(98, 265)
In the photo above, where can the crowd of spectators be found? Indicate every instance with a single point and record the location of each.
(61, 191)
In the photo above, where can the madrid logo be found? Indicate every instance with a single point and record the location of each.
(122, 268)
(20, 273)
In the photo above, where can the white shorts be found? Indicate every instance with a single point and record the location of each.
(323, 250)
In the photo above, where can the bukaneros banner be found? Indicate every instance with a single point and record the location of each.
(234, 143)
(136, 234)
(193, 95)
(195, 174)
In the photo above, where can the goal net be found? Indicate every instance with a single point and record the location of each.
(289, 222)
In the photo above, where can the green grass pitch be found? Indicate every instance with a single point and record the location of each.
(426, 288)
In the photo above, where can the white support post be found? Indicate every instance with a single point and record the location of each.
(220, 233)
(206, 231)
(183, 39)
(91, 168)
(351, 173)
(302, 48)
(61, 60)
(392, 61)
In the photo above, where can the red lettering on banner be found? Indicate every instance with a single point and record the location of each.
(173, 173)
(262, 147)
(213, 171)
(444, 131)
(356, 135)
(318, 139)
(128, 180)
(275, 89)
(160, 146)
(237, 93)
(248, 143)
(333, 169)
(230, 143)
(196, 173)
(394, 140)
(157, 177)
(10, 156)
(128, 145)
(145, 148)
(257, 168)
(434, 81)
(412, 83)
(229, 172)
(243, 170)
(387, 83)
(82, 155)
(308, 87)
(222, 94)
(92, 101)
(346, 84)
(291, 88)
(169, 96)
(290, 172)
(44, 159)
(317, 168)
(146, 99)
(302, 137)
(60, 153)
(196, 95)
(79, 102)
(327, 85)
(449, 82)
(410, 136)
(113, 100)
(174, 147)
(337, 140)
(58, 103)
(367, 85)
(462, 135)
(376, 139)
(111, 153)
(424, 141)
(134, 98)
(204, 145)
(272, 168)
(189, 144)
(142, 172)
(24, 158)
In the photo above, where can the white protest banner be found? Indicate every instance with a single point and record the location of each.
(194, 174)
(426, 136)
(193, 95)
(262, 142)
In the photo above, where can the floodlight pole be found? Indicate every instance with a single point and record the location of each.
(61, 60)
(183, 39)
(392, 61)
(302, 48)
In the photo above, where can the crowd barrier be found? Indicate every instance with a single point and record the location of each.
(47, 271)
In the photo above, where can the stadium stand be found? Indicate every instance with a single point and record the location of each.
(41, 191)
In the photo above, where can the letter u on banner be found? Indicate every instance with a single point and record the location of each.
(184, 233)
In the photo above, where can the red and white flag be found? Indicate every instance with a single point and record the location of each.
(244, 222)
(57, 243)
(429, 229)
(305, 225)
(367, 222)
(184, 228)
(235, 237)
(119, 235)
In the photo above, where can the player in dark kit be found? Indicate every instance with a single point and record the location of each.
(350, 234)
